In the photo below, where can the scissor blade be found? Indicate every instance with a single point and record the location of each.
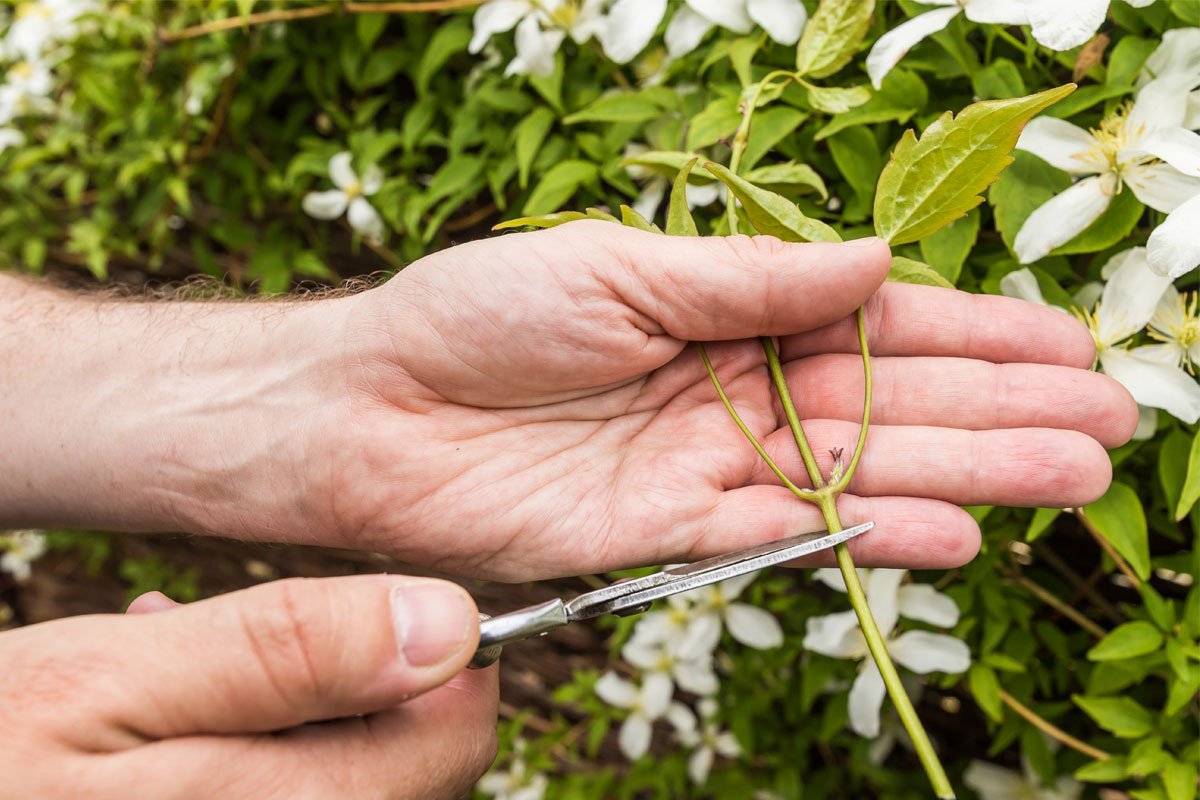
(640, 592)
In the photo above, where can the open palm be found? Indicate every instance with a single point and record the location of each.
(530, 405)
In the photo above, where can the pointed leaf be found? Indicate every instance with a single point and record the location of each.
(939, 178)
(1191, 484)
(837, 99)
(906, 270)
(1127, 641)
(771, 213)
(529, 135)
(833, 36)
(541, 220)
(790, 175)
(631, 218)
(679, 216)
(1119, 715)
(1119, 518)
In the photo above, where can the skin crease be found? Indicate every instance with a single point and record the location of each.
(516, 408)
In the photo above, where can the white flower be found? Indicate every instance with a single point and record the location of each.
(991, 782)
(1177, 54)
(24, 91)
(1065, 24)
(838, 636)
(750, 625)
(10, 137)
(41, 24)
(692, 674)
(705, 740)
(892, 46)
(1131, 298)
(349, 198)
(1142, 146)
(645, 704)
(515, 783)
(1177, 325)
(21, 548)
(783, 20)
(683, 628)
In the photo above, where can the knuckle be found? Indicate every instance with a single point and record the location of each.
(284, 629)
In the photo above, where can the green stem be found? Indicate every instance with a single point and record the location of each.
(742, 137)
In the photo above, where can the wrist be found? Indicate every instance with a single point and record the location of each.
(133, 415)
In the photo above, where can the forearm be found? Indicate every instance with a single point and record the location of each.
(141, 415)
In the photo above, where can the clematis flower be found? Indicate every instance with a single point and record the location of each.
(838, 636)
(750, 625)
(349, 197)
(692, 674)
(892, 46)
(1131, 298)
(991, 782)
(1177, 325)
(516, 783)
(41, 24)
(705, 739)
(1141, 146)
(683, 628)
(21, 548)
(783, 21)
(1177, 54)
(645, 704)
(1065, 24)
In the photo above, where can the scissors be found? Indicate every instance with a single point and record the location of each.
(635, 596)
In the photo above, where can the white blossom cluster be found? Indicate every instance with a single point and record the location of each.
(18, 550)
(36, 40)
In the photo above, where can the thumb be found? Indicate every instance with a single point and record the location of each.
(734, 287)
(289, 652)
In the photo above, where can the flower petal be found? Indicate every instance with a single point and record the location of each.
(1161, 103)
(883, 588)
(781, 19)
(341, 171)
(364, 218)
(535, 49)
(996, 12)
(616, 691)
(991, 782)
(1147, 424)
(1153, 383)
(753, 627)
(1161, 186)
(922, 602)
(727, 745)
(832, 577)
(733, 587)
(634, 738)
(642, 654)
(696, 677)
(1023, 285)
(1062, 217)
(372, 180)
(1130, 296)
(1178, 147)
(1059, 143)
(629, 26)
(699, 196)
(835, 635)
(495, 17)
(10, 137)
(866, 697)
(1179, 52)
(651, 198)
(1174, 247)
(655, 698)
(325, 205)
(730, 15)
(700, 764)
(892, 46)
(1063, 24)
(702, 636)
(685, 31)
(923, 652)
(683, 721)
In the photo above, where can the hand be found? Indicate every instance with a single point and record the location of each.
(528, 406)
(227, 697)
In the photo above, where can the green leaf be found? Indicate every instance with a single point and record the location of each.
(999, 80)
(986, 688)
(557, 185)
(787, 176)
(718, 120)
(382, 66)
(897, 100)
(1040, 523)
(1191, 484)
(1110, 228)
(1023, 187)
(1181, 693)
(528, 138)
(1162, 612)
(741, 53)
(667, 163)
(1172, 466)
(1109, 770)
(617, 107)
(832, 36)
(947, 249)
(1179, 779)
(541, 220)
(939, 178)
(679, 217)
(1126, 60)
(837, 99)
(771, 213)
(1146, 756)
(906, 270)
(631, 218)
(1119, 518)
(1122, 716)
(1127, 641)
(368, 27)
(768, 129)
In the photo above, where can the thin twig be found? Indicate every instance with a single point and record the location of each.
(1050, 729)
(1062, 568)
(1050, 599)
(1107, 547)
(310, 12)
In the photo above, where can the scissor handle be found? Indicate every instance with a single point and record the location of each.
(524, 623)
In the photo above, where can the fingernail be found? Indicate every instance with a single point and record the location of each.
(869, 241)
(432, 620)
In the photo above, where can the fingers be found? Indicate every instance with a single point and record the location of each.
(284, 653)
(1017, 467)
(909, 532)
(735, 286)
(433, 746)
(965, 393)
(906, 320)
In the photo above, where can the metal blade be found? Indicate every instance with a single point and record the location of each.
(635, 595)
